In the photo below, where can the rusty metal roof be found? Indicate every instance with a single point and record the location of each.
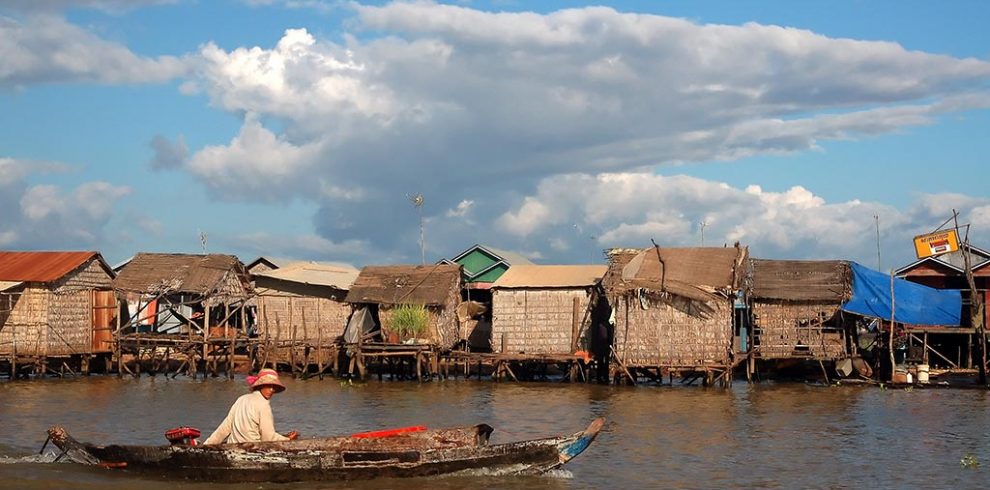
(551, 276)
(178, 273)
(405, 284)
(43, 266)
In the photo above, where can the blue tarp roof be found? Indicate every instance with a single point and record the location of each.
(915, 304)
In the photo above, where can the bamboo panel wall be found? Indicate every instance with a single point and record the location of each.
(70, 323)
(25, 332)
(313, 319)
(666, 335)
(535, 321)
(70, 314)
(786, 325)
(93, 276)
(443, 329)
(230, 289)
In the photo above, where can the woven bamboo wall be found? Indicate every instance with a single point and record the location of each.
(70, 315)
(535, 321)
(313, 318)
(786, 325)
(666, 334)
(230, 289)
(25, 332)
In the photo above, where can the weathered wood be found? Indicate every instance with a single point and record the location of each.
(409, 454)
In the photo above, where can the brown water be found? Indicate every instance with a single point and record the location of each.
(767, 436)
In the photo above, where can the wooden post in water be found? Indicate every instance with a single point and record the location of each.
(890, 341)
(975, 303)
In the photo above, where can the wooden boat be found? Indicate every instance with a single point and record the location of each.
(405, 454)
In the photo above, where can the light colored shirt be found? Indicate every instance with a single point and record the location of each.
(249, 420)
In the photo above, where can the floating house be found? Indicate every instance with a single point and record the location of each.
(673, 308)
(796, 308)
(303, 302)
(543, 309)
(184, 293)
(379, 291)
(55, 305)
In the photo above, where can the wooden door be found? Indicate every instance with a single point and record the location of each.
(105, 310)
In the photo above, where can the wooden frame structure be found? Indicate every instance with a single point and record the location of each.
(190, 313)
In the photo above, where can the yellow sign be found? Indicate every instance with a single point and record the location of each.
(936, 243)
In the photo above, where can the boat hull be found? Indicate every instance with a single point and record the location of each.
(425, 454)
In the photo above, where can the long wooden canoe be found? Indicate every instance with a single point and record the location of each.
(413, 454)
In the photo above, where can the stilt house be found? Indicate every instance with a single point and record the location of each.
(383, 289)
(543, 309)
(796, 308)
(55, 304)
(184, 293)
(303, 302)
(673, 307)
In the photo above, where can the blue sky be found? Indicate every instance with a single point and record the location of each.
(555, 129)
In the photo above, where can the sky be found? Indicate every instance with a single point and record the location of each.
(303, 129)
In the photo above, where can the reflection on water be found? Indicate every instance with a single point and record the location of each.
(767, 436)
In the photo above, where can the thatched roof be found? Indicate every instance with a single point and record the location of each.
(800, 280)
(405, 284)
(693, 272)
(19, 267)
(551, 276)
(180, 273)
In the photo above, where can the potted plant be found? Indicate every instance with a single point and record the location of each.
(410, 321)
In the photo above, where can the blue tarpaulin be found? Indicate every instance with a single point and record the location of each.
(915, 304)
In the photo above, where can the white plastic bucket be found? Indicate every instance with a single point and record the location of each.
(922, 373)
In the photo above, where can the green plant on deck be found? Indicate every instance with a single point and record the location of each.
(410, 321)
(969, 461)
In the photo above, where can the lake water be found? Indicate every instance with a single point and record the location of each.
(764, 436)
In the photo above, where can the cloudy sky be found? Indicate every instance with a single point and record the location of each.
(301, 128)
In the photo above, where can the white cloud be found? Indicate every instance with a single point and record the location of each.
(48, 49)
(463, 104)
(50, 216)
(629, 209)
(462, 210)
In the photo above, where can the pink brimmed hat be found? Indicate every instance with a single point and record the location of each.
(265, 377)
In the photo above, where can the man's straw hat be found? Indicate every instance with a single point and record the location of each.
(266, 377)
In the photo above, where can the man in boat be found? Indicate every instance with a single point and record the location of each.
(250, 418)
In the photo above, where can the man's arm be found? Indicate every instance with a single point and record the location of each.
(223, 431)
(267, 424)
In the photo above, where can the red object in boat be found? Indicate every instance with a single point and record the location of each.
(182, 435)
(389, 432)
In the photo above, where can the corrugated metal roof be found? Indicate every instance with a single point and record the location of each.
(551, 276)
(315, 273)
(42, 266)
(405, 284)
(179, 273)
(800, 280)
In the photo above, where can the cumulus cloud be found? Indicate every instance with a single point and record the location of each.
(45, 48)
(630, 209)
(49, 216)
(494, 108)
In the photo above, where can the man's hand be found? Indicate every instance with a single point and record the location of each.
(292, 435)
